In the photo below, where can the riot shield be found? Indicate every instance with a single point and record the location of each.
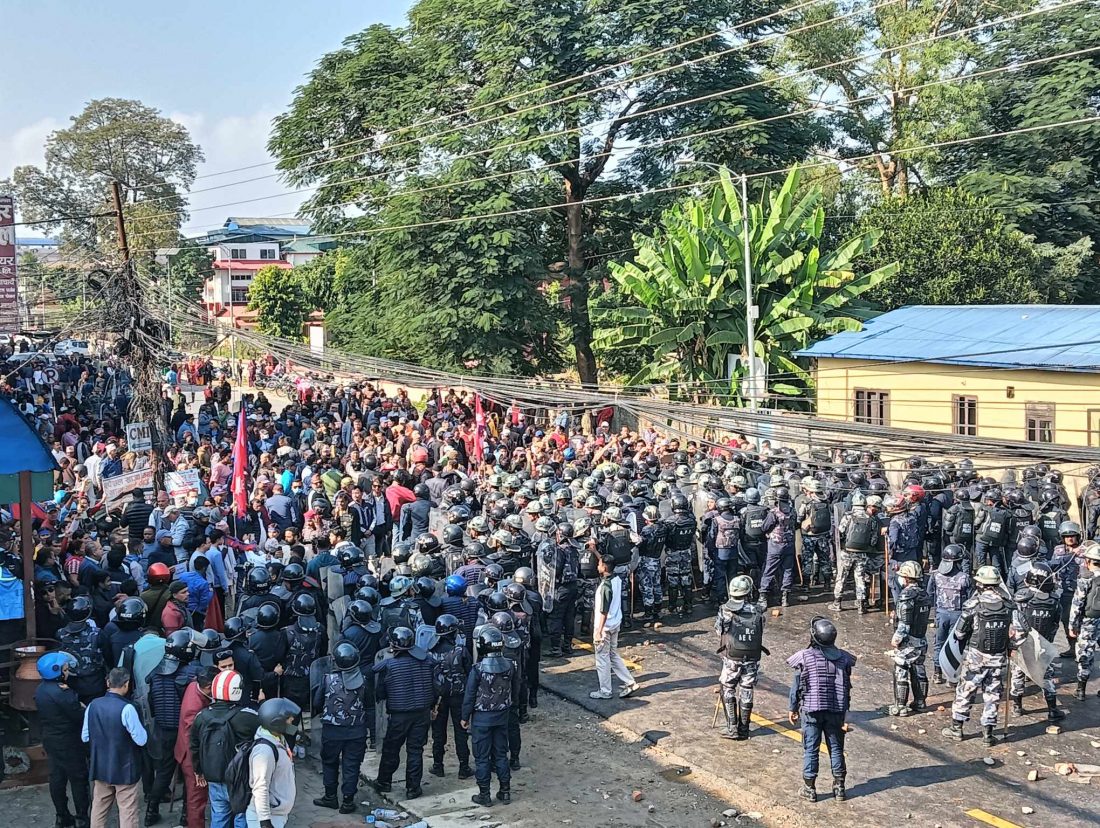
(547, 570)
(426, 636)
(1035, 655)
(317, 671)
(380, 704)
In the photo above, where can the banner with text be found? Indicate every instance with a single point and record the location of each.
(9, 285)
(116, 488)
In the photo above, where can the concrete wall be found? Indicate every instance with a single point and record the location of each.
(921, 397)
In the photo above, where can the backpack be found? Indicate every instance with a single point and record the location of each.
(218, 741)
(725, 536)
(819, 519)
(963, 530)
(238, 773)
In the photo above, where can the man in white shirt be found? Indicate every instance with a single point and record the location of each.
(607, 618)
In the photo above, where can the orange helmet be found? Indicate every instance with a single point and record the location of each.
(915, 493)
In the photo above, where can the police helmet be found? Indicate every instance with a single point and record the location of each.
(399, 585)
(524, 575)
(489, 639)
(259, 579)
(1069, 527)
(401, 552)
(361, 611)
(345, 656)
(822, 632)
(723, 504)
(493, 573)
(426, 544)
(425, 587)
(1027, 547)
(78, 609)
(447, 624)
(402, 639)
(368, 594)
(752, 496)
(268, 615)
(293, 575)
(304, 604)
(349, 556)
(987, 576)
(1040, 576)
(910, 569)
(234, 628)
(503, 621)
(420, 565)
(679, 503)
(496, 602)
(952, 552)
(179, 645)
(455, 585)
(514, 592)
(132, 613)
(452, 535)
(740, 586)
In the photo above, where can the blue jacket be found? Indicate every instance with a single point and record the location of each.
(199, 591)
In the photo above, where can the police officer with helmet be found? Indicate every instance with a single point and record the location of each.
(948, 588)
(452, 667)
(909, 641)
(740, 629)
(492, 689)
(345, 704)
(1040, 610)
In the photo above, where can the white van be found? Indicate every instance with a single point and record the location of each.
(72, 347)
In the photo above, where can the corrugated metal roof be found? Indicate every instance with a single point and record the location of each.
(1049, 337)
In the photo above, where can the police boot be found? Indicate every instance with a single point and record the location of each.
(465, 771)
(784, 599)
(688, 605)
(348, 805)
(1017, 705)
(744, 716)
(436, 769)
(920, 694)
(1069, 653)
(152, 811)
(900, 707)
(329, 800)
(1079, 693)
(809, 789)
(861, 606)
(505, 795)
(730, 706)
(647, 615)
(937, 675)
(840, 794)
(836, 606)
(482, 797)
(954, 732)
(82, 822)
(988, 737)
(1054, 712)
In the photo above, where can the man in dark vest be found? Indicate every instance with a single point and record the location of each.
(406, 683)
(948, 588)
(821, 694)
(342, 697)
(492, 689)
(113, 730)
(910, 641)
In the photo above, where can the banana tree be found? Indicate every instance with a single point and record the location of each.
(686, 284)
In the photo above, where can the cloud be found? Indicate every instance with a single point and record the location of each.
(27, 145)
(230, 143)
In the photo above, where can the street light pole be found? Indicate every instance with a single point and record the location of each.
(751, 309)
(750, 304)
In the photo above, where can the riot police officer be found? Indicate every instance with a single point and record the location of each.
(1084, 617)
(1041, 611)
(948, 589)
(565, 566)
(779, 564)
(269, 645)
(492, 689)
(993, 527)
(244, 660)
(80, 639)
(958, 522)
(1027, 553)
(858, 531)
(740, 629)
(986, 625)
(452, 666)
(909, 641)
(303, 647)
(344, 702)
(680, 530)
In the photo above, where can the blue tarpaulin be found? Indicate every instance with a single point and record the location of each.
(21, 449)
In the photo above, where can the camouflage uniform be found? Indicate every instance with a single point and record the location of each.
(987, 621)
(1041, 612)
(1084, 622)
(817, 547)
(852, 560)
(740, 628)
(911, 649)
(680, 539)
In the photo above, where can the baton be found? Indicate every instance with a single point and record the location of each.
(886, 572)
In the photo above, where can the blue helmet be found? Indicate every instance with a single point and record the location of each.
(51, 665)
(455, 585)
(569, 454)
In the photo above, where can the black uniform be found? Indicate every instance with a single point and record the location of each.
(61, 718)
(452, 666)
(492, 689)
(406, 683)
(344, 716)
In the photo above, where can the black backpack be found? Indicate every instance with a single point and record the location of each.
(219, 743)
(238, 781)
(820, 517)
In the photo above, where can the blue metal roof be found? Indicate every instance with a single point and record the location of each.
(1048, 337)
(36, 241)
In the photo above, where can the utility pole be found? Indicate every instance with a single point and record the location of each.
(139, 332)
(750, 299)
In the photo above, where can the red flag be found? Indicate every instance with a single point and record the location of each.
(479, 429)
(240, 468)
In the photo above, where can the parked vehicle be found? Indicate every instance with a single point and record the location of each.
(72, 347)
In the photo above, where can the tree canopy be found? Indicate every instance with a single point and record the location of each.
(279, 299)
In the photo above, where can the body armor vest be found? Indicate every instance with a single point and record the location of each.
(991, 626)
(1042, 613)
(861, 534)
(83, 645)
(494, 684)
(744, 634)
(754, 524)
(913, 609)
(343, 707)
(301, 650)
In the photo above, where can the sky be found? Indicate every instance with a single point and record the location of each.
(223, 70)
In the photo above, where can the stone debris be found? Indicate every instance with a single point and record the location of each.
(1053, 730)
(1027, 810)
(637, 796)
(1033, 776)
(730, 813)
(989, 760)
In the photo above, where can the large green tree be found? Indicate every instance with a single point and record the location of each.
(451, 296)
(955, 249)
(478, 73)
(112, 139)
(687, 286)
(875, 70)
(1046, 182)
(280, 302)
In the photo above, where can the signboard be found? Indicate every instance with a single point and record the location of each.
(9, 289)
(139, 437)
(117, 487)
(181, 484)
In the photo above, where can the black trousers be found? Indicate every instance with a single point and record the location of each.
(491, 753)
(342, 757)
(164, 763)
(450, 708)
(515, 742)
(562, 618)
(408, 729)
(534, 656)
(68, 769)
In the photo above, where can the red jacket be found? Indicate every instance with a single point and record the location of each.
(174, 617)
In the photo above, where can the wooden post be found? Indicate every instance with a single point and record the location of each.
(26, 539)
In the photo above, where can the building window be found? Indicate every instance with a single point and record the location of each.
(966, 416)
(267, 254)
(238, 253)
(1039, 420)
(240, 296)
(872, 407)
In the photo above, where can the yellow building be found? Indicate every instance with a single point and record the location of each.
(1010, 372)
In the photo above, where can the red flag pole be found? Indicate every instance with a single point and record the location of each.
(240, 467)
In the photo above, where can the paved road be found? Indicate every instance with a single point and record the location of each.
(896, 766)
